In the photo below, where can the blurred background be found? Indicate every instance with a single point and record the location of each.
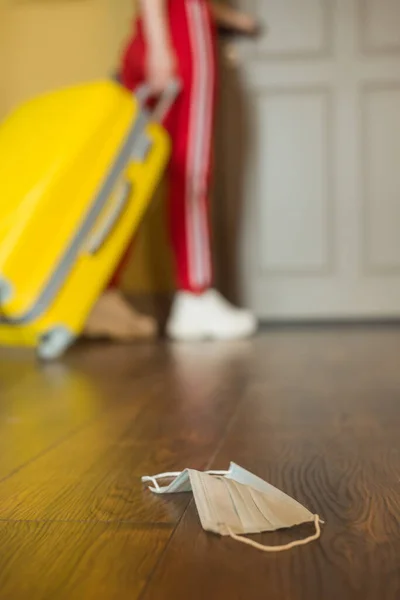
(307, 191)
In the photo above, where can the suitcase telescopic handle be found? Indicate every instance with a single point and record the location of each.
(121, 198)
(157, 115)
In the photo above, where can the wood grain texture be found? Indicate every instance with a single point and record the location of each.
(71, 561)
(314, 411)
(319, 419)
(160, 418)
(42, 404)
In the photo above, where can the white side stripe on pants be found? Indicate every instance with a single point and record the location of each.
(199, 145)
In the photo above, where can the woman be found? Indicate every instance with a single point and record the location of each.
(176, 38)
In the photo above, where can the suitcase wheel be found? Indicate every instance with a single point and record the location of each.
(54, 343)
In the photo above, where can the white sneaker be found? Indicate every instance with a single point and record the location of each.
(208, 316)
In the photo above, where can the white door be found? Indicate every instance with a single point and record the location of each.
(320, 226)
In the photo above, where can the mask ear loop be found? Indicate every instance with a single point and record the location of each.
(285, 547)
(153, 479)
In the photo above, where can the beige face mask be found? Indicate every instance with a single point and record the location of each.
(236, 503)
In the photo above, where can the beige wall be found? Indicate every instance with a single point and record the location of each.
(45, 44)
(49, 43)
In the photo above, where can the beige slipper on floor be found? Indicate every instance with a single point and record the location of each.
(114, 318)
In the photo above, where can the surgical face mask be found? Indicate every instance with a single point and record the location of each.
(236, 503)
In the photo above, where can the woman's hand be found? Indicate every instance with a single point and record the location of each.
(230, 19)
(247, 24)
(161, 68)
(161, 62)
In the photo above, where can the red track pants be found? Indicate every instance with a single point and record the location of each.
(190, 124)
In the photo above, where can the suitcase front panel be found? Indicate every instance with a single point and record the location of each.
(52, 231)
(73, 296)
(88, 240)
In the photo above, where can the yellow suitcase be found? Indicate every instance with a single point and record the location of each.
(78, 168)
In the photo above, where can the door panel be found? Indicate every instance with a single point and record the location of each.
(303, 142)
(320, 227)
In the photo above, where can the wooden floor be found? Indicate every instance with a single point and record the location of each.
(314, 411)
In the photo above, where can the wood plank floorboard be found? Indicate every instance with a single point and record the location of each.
(65, 561)
(315, 411)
